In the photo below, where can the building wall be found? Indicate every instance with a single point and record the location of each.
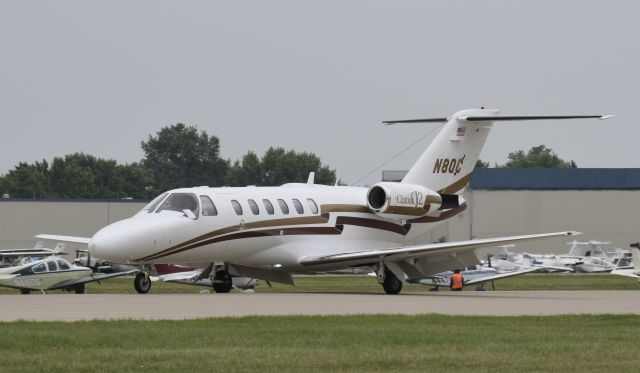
(607, 215)
(20, 221)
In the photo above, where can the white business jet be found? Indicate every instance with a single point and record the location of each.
(268, 233)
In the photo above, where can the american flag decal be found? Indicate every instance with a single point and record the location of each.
(460, 131)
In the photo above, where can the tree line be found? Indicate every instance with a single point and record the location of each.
(538, 156)
(176, 156)
(181, 156)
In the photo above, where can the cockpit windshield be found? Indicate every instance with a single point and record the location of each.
(154, 204)
(180, 202)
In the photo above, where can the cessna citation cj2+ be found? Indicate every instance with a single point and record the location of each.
(268, 233)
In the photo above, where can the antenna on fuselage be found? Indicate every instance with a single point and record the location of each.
(312, 176)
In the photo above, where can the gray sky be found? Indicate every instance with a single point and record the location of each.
(100, 77)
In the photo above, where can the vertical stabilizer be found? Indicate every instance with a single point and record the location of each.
(447, 163)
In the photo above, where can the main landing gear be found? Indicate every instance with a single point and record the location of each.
(390, 283)
(142, 283)
(222, 282)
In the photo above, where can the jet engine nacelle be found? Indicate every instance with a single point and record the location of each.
(402, 201)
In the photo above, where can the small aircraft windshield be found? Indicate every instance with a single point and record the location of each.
(180, 202)
(153, 204)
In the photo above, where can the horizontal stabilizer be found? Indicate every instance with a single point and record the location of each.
(532, 117)
(489, 118)
(425, 120)
(72, 239)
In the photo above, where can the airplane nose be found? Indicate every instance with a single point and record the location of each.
(111, 243)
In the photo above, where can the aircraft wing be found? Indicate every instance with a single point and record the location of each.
(72, 239)
(440, 252)
(500, 275)
(626, 272)
(92, 278)
(558, 268)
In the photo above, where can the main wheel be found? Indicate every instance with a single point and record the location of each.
(142, 283)
(391, 284)
(79, 289)
(25, 291)
(222, 282)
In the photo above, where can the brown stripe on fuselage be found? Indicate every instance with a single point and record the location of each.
(345, 208)
(406, 210)
(322, 219)
(443, 216)
(374, 223)
(254, 234)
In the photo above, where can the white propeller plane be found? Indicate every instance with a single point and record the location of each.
(631, 272)
(268, 233)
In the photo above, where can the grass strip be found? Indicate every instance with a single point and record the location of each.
(378, 343)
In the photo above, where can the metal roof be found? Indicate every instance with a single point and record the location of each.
(548, 178)
(556, 178)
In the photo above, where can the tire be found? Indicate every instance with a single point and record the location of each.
(142, 283)
(224, 286)
(25, 291)
(391, 284)
(79, 289)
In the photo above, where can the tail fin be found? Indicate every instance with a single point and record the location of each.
(447, 163)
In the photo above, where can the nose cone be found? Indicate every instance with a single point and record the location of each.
(135, 238)
(109, 243)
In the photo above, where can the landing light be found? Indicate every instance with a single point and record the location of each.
(276, 265)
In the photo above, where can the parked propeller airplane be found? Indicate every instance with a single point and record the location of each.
(268, 233)
(50, 274)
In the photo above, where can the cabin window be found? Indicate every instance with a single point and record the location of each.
(254, 207)
(208, 208)
(298, 206)
(180, 202)
(312, 205)
(236, 206)
(283, 206)
(153, 204)
(63, 265)
(268, 206)
(38, 268)
(52, 266)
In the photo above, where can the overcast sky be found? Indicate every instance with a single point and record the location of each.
(100, 77)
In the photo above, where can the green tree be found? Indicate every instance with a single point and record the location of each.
(28, 180)
(481, 164)
(81, 175)
(277, 167)
(179, 156)
(538, 156)
(134, 181)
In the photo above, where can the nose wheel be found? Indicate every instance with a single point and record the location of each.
(142, 283)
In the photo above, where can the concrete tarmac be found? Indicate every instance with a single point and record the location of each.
(72, 307)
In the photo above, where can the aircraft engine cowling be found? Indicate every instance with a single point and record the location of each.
(402, 201)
